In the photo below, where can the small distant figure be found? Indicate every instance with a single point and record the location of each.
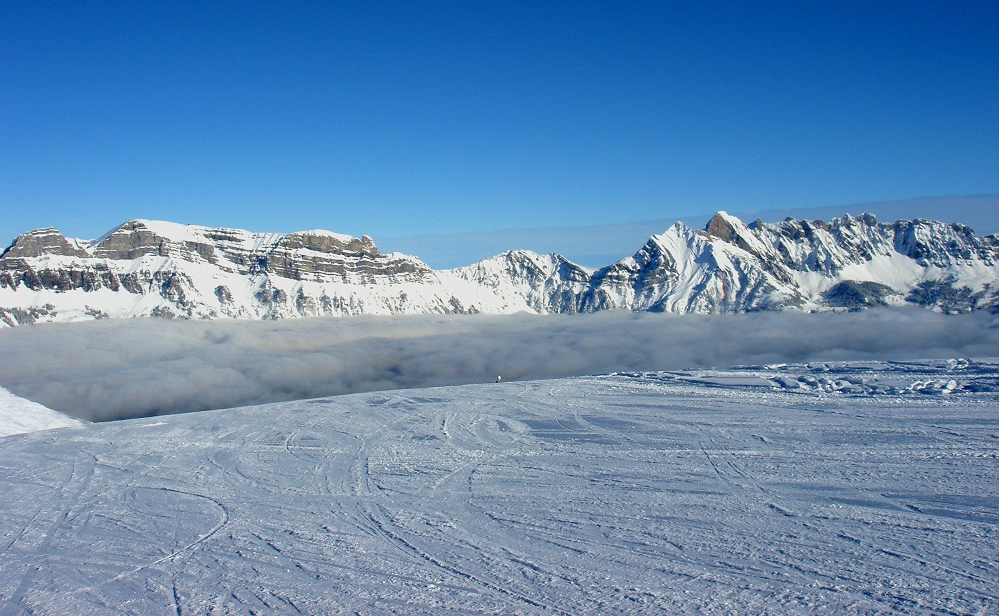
(498, 379)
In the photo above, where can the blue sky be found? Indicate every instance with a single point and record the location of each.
(417, 118)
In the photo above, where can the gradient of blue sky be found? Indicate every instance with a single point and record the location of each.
(396, 118)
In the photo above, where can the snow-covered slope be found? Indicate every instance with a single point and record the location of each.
(18, 416)
(155, 268)
(768, 490)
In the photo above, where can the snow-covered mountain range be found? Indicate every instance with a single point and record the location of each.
(156, 268)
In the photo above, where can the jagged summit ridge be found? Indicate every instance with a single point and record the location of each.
(158, 268)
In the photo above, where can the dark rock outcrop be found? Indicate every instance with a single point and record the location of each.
(41, 242)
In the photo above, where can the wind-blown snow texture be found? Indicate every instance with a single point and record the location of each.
(825, 488)
(154, 268)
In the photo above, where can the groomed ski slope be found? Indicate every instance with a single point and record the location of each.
(18, 416)
(824, 488)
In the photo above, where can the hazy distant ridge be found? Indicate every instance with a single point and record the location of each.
(156, 268)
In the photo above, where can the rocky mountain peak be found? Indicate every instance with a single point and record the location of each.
(731, 230)
(941, 244)
(139, 238)
(720, 227)
(42, 242)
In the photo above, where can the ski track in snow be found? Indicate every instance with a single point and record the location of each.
(866, 487)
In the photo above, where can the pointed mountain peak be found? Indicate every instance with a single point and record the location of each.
(680, 227)
(724, 226)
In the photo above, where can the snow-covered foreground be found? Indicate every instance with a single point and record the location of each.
(870, 487)
(18, 416)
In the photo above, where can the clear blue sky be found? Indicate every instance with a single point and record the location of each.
(407, 118)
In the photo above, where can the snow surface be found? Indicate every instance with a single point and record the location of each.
(18, 416)
(683, 492)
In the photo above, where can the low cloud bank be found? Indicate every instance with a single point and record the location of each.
(116, 369)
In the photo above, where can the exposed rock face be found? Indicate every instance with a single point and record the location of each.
(133, 240)
(40, 242)
(326, 243)
(856, 295)
(307, 255)
(154, 268)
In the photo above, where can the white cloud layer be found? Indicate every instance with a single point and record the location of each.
(118, 369)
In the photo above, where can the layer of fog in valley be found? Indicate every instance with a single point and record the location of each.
(115, 369)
